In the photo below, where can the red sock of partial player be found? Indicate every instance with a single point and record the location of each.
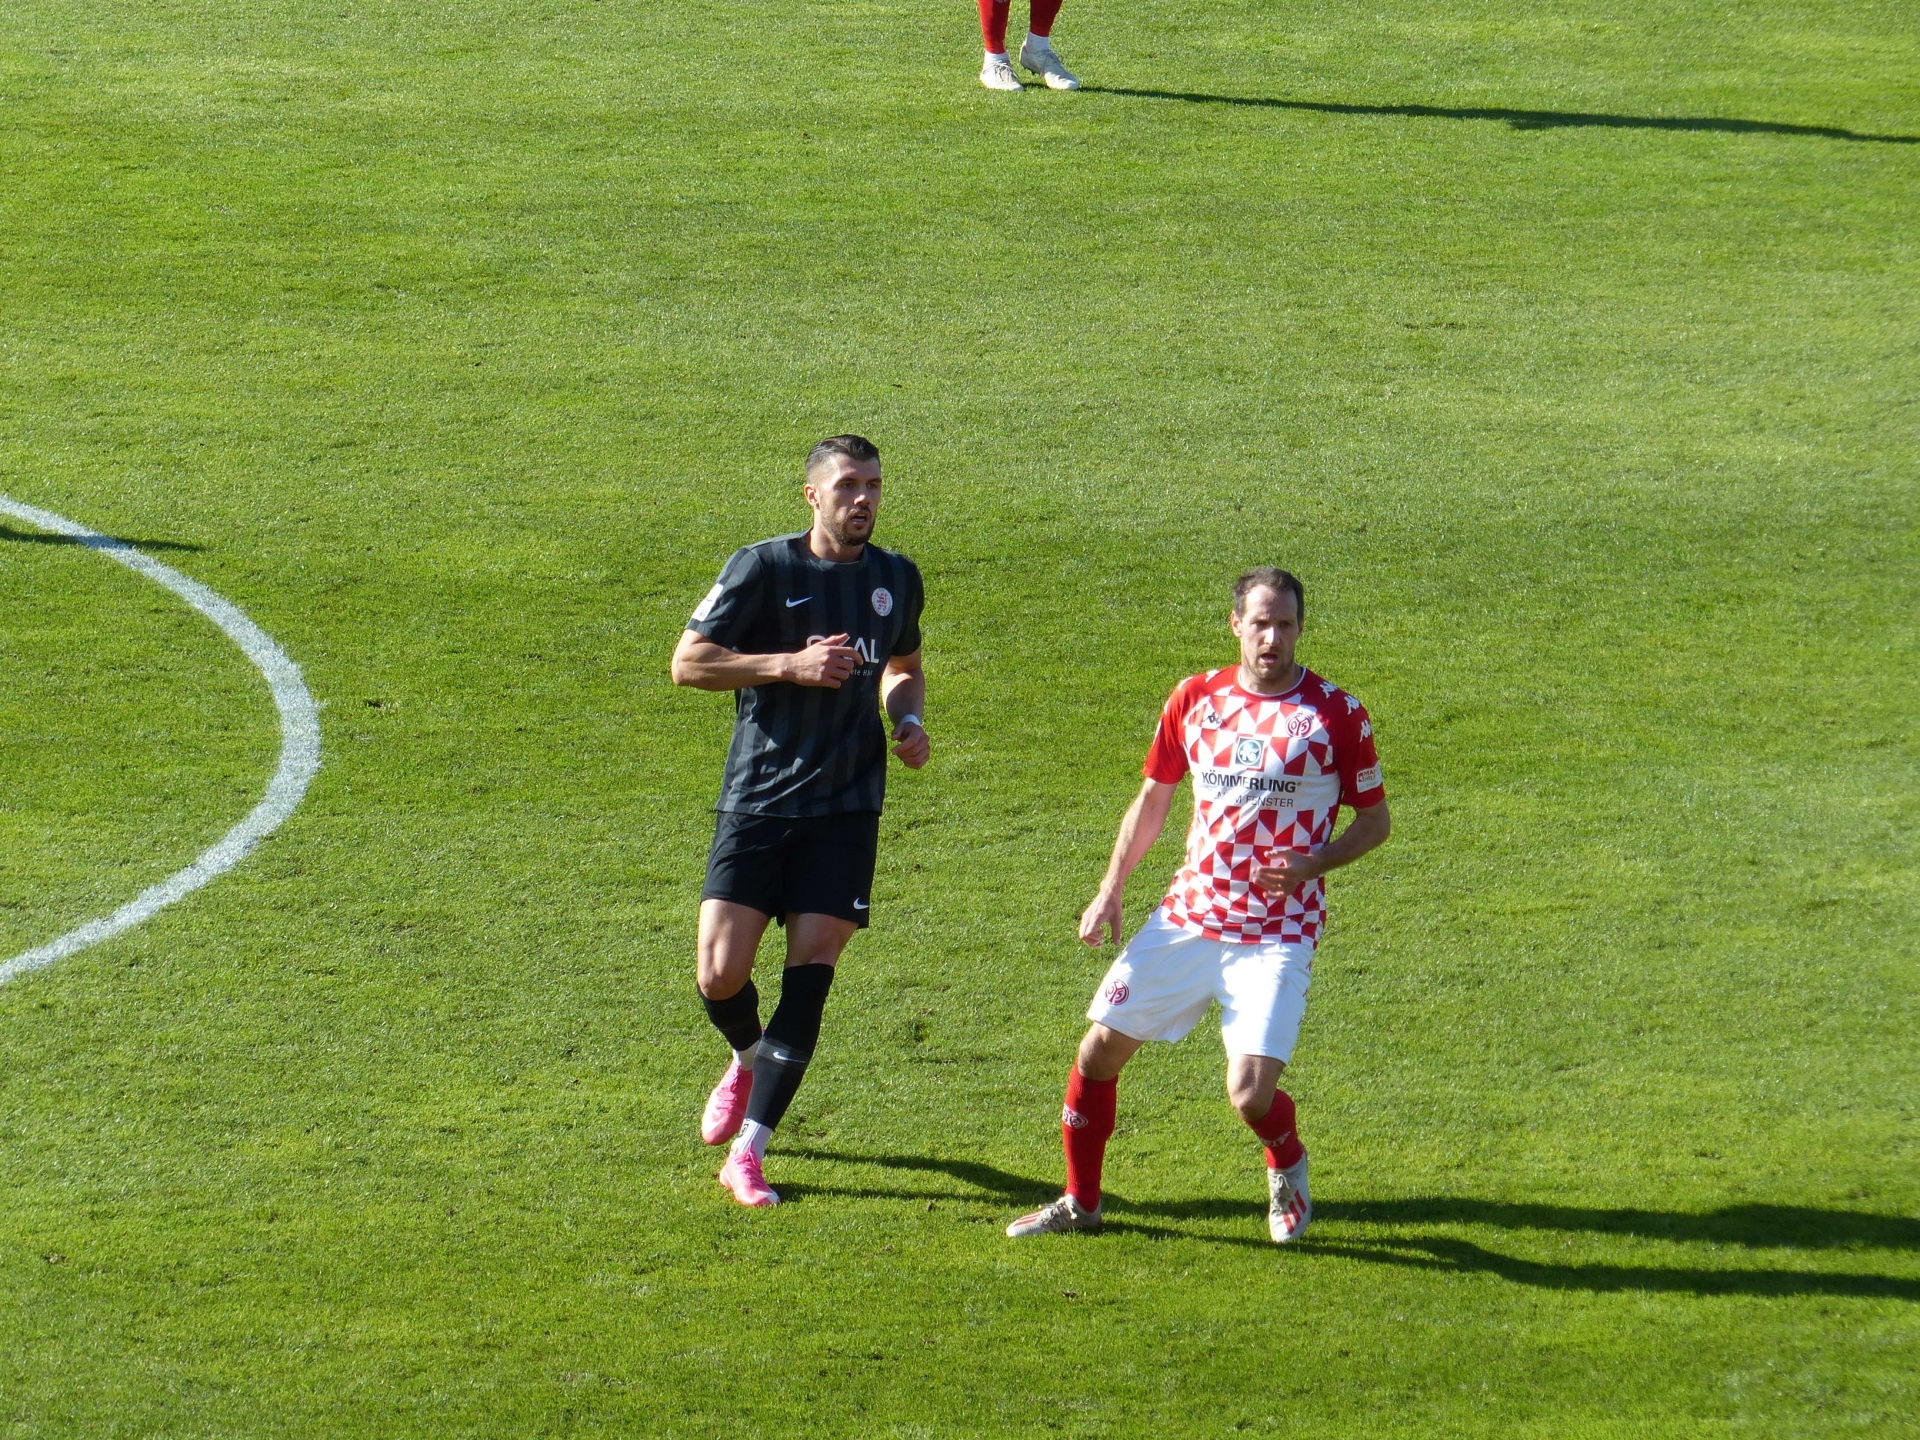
(1276, 1127)
(1041, 22)
(1086, 1124)
(993, 26)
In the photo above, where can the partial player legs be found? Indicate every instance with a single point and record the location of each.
(1087, 1121)
(729, 937)
(814, 943)
(1253, 1087)
(1036, 51)
(993, 27)
(996, 71)
(1251, 1082)
(1086, 1124)
(1087, 1117)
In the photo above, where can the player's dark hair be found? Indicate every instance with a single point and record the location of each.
(1269, 577)
(856, 448)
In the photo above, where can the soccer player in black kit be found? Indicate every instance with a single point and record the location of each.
(815, 633)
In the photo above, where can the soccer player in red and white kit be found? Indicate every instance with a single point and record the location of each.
(1274, 751)
(1036, 51)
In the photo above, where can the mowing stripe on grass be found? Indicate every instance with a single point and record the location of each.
(299, 743)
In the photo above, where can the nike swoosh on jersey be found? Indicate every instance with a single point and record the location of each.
(859, 904)
(801, 601)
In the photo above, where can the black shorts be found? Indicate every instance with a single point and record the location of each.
(781, 866)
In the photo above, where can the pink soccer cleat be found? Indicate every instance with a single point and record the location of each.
(741, 1175)
(726, 1106)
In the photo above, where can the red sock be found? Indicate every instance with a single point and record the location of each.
(1276, 1128)
(993, 25)
(1085, 1127)
(1043, 13)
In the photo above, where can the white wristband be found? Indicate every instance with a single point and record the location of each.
(906, 720)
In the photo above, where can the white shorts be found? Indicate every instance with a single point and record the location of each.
(1160, 986)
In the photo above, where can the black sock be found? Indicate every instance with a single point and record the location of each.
(737, 1017)
(788, 1043)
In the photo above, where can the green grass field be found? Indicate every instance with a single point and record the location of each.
(1569, 353)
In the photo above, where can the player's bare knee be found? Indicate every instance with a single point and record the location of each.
(722, 970)
(1104, 1053)
(1251, 1080)
(721, 982)
(816, 948)
(1251, 1104)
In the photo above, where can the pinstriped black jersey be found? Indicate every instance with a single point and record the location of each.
(799, 750)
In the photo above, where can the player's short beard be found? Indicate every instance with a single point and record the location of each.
(837, 532)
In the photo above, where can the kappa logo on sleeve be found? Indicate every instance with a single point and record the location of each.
(705, 607)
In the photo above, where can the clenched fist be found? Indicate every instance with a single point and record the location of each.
(823, 664)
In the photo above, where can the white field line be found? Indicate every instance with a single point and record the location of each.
(299, 743)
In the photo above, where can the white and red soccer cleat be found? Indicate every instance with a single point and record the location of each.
(741, 1175)
(1289, 1207)
(726, 1106)
(1062, 1215)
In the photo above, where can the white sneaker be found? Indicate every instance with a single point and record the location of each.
(1064, 1214)
(1289, 1207)
(1046, 65)
(997, 74)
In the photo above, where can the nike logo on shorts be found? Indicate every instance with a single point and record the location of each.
(859, 904)
(801, 601)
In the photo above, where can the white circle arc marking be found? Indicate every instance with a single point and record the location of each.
(299, 743)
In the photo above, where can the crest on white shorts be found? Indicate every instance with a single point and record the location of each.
(1117, 993)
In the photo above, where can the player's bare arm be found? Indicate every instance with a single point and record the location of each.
(1291, 869)
(1139, 828)
(903, 695)
(699, 662)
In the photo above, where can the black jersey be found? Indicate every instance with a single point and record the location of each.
(801, 750)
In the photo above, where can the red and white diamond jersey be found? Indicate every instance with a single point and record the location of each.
(1270, 772)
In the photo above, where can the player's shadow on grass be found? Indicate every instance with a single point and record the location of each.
(1522, 119)
(1793, 1227)
(1410, 1242)
(35, 537)
(1432, 1252)
(1001, 1184)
